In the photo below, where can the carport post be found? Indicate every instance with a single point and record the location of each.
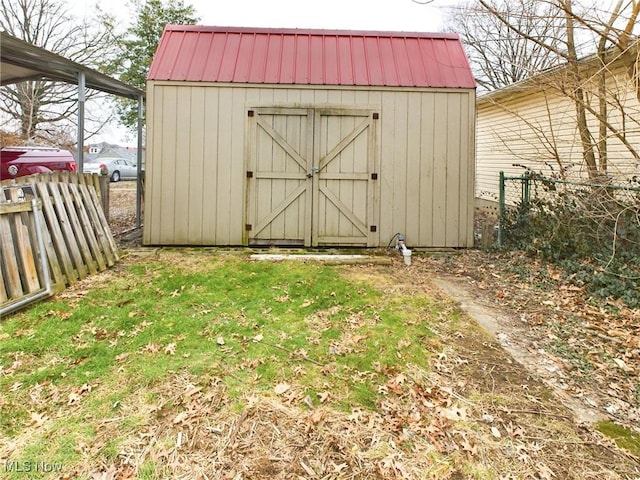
(139, 189)
(80, 121)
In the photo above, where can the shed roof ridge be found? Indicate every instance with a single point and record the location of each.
(311, 31)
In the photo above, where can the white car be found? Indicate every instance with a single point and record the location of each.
(116, 167)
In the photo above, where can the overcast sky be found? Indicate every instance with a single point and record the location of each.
(385, 15)
(395, 15)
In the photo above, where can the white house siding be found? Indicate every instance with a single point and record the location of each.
(522, 125)
(198, 143)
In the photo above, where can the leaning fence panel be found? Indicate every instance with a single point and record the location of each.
(53, 231)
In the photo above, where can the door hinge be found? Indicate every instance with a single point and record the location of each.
(248, 227)
(249, 174)
(373, 228)
(374, 176)
(376, 115)
(250, 113)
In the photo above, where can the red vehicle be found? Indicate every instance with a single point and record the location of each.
(21, 161)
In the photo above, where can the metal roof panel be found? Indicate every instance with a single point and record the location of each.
(311, 57)
(22, 61)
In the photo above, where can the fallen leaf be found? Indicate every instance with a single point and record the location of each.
(258, 338)
(37, 419)
(622, 365)
(281, 388)
(323, 396)
(339, 468)
(110, 474)
(454, 413)
(122, 356)
(495, 432)
(220, 340)
(152, 348)
(192, 391)
(170, 349)
(181, 417)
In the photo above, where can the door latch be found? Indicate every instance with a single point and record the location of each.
(312, 172)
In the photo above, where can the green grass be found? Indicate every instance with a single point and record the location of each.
(252, 325)
(624, 437)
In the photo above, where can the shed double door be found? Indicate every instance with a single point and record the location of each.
(311, 177)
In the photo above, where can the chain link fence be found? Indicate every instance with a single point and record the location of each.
(601, 212)
(591, 230)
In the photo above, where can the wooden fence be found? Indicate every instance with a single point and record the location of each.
(66, 211)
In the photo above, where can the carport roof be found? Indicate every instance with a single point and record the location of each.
(22, 61)
(311, 57)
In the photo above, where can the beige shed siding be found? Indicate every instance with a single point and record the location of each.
(523, 128)
(198, 145)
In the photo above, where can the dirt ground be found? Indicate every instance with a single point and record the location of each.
(544, 334)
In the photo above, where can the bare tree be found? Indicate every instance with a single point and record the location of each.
(46, 111)
(609, 37)
(500, 55)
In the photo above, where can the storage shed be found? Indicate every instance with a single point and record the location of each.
(309, 137)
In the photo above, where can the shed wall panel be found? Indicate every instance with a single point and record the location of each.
(210, 123)
(182, 148)
(426, 154)
(198, 148)
(439, 172)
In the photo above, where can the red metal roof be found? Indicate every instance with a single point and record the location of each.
(310, 57)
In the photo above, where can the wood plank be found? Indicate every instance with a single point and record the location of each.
(101, 237)
(278, 209)
(10, 259)
(87, 227)
(345, 210)
(346, 140)
(283, 143)
(67, 229)
(330, 240)
(6, 208)
(373, 187)
(57, 235)
(24, 246)
(76, 226)
(3, 289)
(28, 269)
(55, 272)
(104, 223)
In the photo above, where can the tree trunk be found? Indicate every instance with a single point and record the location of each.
(586, 141)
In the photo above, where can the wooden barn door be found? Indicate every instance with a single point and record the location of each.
(344, 186)
(310, 177)
(280, 156)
